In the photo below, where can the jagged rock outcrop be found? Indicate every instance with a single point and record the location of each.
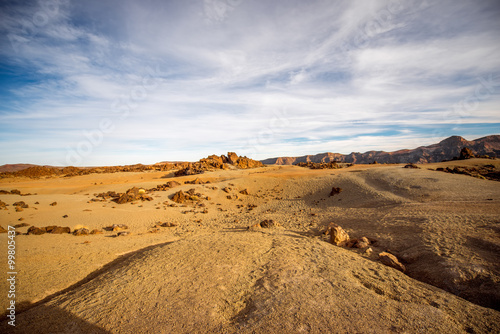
(214, 162)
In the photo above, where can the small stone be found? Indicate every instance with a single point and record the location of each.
(81, 231)
(335, 191)
(65, 216)
(59, 230)
(168, 224)
(368, 251)
(19, 209)
(122, 234)
(53, 203)
(96, 231)
(244, 192)
(392, 261)
(35, 230)
(363, 242)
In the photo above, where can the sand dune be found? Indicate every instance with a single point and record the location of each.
(210, 274)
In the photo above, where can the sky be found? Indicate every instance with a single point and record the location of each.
(115, 82)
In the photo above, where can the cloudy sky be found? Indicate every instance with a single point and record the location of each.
(121, 82)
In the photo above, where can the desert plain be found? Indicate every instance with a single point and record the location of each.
(209, 264)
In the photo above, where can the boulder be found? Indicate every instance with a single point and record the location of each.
(392, 261)
(465, 153)
(232, 158)
(179, 197)
(338, 236)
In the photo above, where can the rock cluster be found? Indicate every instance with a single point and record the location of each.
(214, 162)
(131, 195)
(53, 229)
(489, 172)
(321, 165)
(339, 237)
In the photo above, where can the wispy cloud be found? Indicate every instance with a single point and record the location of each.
(182, 79)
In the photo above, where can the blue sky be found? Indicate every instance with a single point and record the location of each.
(122, 82)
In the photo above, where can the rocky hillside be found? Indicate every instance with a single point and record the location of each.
(212, 162)
(444, 150)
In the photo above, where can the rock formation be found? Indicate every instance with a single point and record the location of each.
(446, 149)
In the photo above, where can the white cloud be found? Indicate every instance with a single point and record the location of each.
(211, 75)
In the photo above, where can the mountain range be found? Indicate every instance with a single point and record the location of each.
(446, 149)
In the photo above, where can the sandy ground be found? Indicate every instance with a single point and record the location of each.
(209, 274)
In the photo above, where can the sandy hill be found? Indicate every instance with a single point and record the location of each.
(194, 267)
(447, 149)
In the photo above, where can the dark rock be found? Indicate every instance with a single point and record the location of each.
(179, 197)
(35, 230)
(466, 153)
(335, 191)
(81, 231)
(53, 203)
(21, 204)
(411, 166)
(59, 230)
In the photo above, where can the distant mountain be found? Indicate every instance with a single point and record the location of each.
(446, 149)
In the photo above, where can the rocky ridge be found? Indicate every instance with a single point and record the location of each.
(446, 149)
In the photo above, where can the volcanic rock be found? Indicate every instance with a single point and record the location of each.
(179, 197)
(465, 153)
(392, 261)
(338, 236)
(35, 230)
(335, 191)
(21, 204)
(57, 229)
(81, 231)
